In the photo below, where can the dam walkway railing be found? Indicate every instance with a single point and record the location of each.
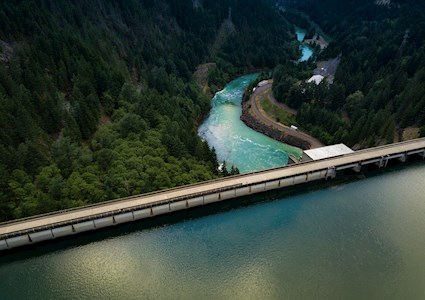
(57, 224)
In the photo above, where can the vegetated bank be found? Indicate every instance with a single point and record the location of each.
(253, 122)
(91, 111)
(378, 92)
(298, 66)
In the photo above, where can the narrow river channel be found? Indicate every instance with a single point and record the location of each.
(307, 52)
(236, 143)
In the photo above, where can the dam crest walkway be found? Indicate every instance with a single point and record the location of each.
(30, 230)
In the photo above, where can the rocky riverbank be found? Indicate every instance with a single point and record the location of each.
(272, 132)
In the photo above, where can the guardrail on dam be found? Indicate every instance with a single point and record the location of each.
(73, 221)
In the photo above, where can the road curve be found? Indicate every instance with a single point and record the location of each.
(260, 114)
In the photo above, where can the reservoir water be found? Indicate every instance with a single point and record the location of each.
(359, 240)
(236, 143)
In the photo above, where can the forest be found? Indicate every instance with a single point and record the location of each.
(98, 101)
(379, 85)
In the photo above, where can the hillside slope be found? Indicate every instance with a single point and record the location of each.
(379, 88)
(97, 99)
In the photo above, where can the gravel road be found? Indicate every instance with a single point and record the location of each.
(260, 115)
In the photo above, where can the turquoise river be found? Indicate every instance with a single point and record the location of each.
(357, 239)
(307, 52)
(236, 143)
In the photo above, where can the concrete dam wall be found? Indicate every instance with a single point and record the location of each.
(65, 223)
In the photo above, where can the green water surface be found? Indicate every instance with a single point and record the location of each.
(236, 143)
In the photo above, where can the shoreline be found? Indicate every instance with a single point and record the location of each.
(258, 120)
(254, 119)
(271, 132)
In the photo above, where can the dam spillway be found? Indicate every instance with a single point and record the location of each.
(64, 223)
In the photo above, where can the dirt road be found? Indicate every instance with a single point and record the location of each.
(260, 115)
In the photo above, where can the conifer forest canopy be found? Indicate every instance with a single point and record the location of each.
(98, 99)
